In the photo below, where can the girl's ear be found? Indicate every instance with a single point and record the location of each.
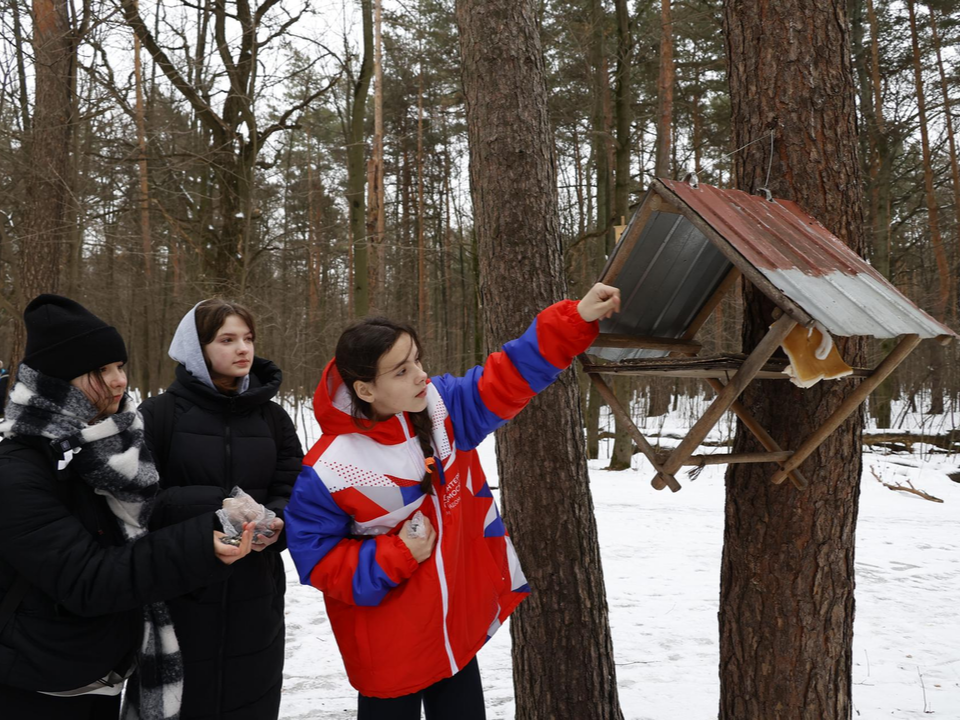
(362, 390)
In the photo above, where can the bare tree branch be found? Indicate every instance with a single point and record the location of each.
(281, 124)
(207, 115)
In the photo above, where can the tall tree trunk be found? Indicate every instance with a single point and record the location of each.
(601, 129)
(594, 404)
(622, 454)
(879, 184)
(951, 137)
(19, 44)
(513, 182)
(421, 248)
(148, 357)
(945, 283)
(665, 93)
(376, 224)
(623, 111)
(43, 237)
(357, 169)
(786, 586)
(933, 215)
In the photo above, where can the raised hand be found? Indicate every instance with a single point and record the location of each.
(601, 301)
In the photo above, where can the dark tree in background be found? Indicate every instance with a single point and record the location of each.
(49, 210)
(787, 605)
(562, 650)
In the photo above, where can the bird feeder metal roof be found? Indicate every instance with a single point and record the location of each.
(685, 238)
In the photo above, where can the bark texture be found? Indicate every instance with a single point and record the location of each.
(45, 232)
(787, 603)
(563, 655)
(49, 173)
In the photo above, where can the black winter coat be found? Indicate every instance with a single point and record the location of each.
(82, 615)
(231, 633)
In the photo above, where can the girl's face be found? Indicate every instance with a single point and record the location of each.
(401, 383)
(231, 352)
(105, 398)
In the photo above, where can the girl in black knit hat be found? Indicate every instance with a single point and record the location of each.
(82, 582)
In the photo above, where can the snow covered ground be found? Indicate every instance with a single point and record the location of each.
(661, 556)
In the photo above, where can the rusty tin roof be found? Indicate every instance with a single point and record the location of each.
(677, 264)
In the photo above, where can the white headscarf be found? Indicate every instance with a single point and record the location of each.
(185, 348)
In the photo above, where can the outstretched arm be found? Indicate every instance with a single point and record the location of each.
(489, 395)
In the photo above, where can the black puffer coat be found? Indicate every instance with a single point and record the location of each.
(231, 633)
(82, 615)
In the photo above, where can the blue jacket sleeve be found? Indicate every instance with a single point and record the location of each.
(348, 569)
(488, 396)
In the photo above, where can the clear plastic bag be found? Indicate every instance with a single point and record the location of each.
(417, 528)
(239, 508)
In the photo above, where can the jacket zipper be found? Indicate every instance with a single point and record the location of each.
(228, 486)
(438, 555)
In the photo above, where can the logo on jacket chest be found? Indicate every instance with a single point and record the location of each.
(451, 492)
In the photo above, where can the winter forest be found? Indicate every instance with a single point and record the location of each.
(324, 160)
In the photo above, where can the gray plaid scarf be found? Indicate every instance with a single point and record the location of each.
(112, 458)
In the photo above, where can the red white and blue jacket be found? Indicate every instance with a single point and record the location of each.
(402, 626)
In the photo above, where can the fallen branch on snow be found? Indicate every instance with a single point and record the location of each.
(911, 489)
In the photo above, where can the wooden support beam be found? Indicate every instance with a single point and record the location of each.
(733, 255)
(726, 397)
(737, 458)
(647, 342)
(722, 370)
(771, 445)
(730, 281)
(848, 406)
(623, 416)
(631, 235)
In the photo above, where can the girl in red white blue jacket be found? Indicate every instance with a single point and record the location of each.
(392, 519)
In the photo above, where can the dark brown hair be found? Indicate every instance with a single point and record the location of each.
(99, 385)
(209, 317)
(357, 357)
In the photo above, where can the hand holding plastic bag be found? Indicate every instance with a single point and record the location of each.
(418, 535)
(238, 509)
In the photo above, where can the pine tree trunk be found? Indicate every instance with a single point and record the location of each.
(879, 184)
(622, 454)
(665, 93)
(357, 171)
(376, 223)
(933, 216)
(951, 137)
(594, 403)
(19, 43)
(44, 233)
(421, 248)
(148, 299)
(563, 653)
(786, 595)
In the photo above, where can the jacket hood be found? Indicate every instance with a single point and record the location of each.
(333, 409)
(185, 349)
(264, 384)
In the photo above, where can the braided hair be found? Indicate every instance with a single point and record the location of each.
(357, 356)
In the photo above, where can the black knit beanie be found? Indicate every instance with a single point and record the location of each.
(65, 340)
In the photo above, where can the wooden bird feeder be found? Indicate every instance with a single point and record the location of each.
(681, 253)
